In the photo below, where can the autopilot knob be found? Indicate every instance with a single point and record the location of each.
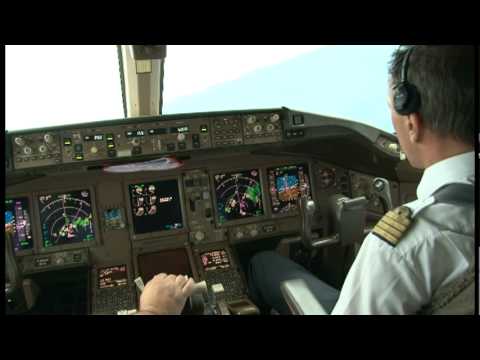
(48, 138)
(274, 118)
(19, 141)
(251, 119)
(93, 149)
(257, 128)
(239, 234)
(270, 127)
(181, 137)
(136, 141)
(27, 150)
(42, 149)
(199, 235)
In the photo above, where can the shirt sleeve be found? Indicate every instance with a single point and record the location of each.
(381, 281)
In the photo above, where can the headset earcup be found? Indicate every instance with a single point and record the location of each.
(406, 99)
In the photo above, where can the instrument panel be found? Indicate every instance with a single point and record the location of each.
(155, 136)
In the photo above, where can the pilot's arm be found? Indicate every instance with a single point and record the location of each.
(382, 280)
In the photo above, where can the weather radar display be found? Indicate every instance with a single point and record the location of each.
(66, 218)
(239, 195)
(286, 184)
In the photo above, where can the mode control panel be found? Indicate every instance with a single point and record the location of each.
(135, 140)
(40, 149)
(54, 261)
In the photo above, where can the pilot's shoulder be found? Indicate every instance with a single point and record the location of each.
(401, 228)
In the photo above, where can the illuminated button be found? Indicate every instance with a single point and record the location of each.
(111, 145)
(78, 156)
(78, 148)
(93, 149)
(203, 128)
(109, 137)
(67, 142)
(60, 261)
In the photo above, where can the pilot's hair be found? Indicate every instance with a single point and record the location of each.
(444, 77)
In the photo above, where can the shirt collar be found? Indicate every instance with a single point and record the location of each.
(455, 169)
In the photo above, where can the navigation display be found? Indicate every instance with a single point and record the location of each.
(112, 276)
(286, 184)
(66, 218)
(17, 216)
(215, 259)
(239, 195)
(155, 206)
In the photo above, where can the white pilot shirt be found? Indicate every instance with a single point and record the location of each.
(437, 249)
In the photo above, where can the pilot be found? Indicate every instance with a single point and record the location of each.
(426, 247)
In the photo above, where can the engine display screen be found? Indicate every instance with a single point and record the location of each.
(238, 195)
(112, 276)
(216, 259)
(286, 184)
(17, 216)
(66, 218)
(155, 206)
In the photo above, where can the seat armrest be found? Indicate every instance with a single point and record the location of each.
(300, 298)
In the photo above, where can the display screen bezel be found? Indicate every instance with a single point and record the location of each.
(77, 245)
(33, 222)
(250, 219)
(270, 199)
(97, 280)
(161, 233)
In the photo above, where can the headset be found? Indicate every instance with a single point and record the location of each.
(406, 98)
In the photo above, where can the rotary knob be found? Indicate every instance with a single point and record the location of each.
(136, 142)
(48, 138)
(27, 150)
(251, 119)
(253, 232)
(60, 261)
(42, 149)
(199, 235)
(181, 137)
(270, 127)
(93, 149)
(19, 141)
(239, 234)
(257, 128)
(274, 118)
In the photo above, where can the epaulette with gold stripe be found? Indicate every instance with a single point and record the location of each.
(393, 225)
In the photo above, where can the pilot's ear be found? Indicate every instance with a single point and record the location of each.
(415, 127)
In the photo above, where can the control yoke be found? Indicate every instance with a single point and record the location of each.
(382, 188)
(348, 216)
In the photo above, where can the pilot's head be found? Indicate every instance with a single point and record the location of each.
(438, 121)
